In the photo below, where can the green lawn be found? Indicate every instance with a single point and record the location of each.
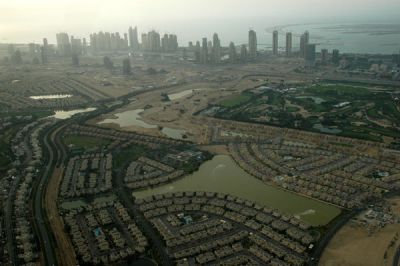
(85, 142)
(338, 90)
(292, 109)
(236, 100)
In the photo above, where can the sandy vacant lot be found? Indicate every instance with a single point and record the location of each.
(353, 245)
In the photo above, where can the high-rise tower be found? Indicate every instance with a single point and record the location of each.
(252, 44)
(310, 54)
(275, 42)
(232, 52)
(288, 43)
(133, 38)
(304, 40)
(216, 49)
(204, 52)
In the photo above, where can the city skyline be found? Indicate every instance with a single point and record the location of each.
(72, 16)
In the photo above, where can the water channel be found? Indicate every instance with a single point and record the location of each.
(70, 113)
(133, 118)
(221, 174)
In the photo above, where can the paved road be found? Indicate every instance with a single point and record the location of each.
(40, 217)
(396, 257)
(56, 154)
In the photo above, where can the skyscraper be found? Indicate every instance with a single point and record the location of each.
(243, 53)
(44, 51)
(63, 44)
(204, 52)
(105, 42)
(310, 54)
(232, 52)
(304, 40)
(216, 49)
(144, 41)
(324, 56)
(76, 46)
(197, 52)
(252, 45)
(288, 43)
(275, 42)
(154, 41)
(84, 46)
(126, 42)
(133, 38)
(335, 56)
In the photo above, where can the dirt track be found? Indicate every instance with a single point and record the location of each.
(64, 251)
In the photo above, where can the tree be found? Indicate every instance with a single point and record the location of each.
(108, 63)
(75, 60)
(126, 67)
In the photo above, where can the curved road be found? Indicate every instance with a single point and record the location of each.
(40, 217)
(56, 154)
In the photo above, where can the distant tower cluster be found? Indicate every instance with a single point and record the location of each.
(106, 41)
(169, 43)
(207, 51)
(63, 44)
(289, 43)
(252, 45)
(275, 35)
(152, 42)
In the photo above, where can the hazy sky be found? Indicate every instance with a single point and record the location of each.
(31, 20)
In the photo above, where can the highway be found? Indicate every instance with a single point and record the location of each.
(39, 214)
(55, 153)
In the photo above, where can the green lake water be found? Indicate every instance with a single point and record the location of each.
(223, 175)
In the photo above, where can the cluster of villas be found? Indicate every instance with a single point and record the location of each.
(211, 228)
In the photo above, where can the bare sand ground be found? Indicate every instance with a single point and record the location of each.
(65, 251)
(353, 245)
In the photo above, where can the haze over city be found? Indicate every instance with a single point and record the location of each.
(26, 20)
